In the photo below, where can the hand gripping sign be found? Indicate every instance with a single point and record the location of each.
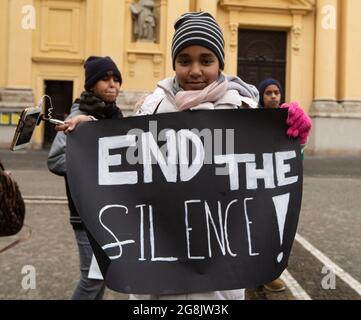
(188, 202)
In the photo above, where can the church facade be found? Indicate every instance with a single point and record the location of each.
(311, 46)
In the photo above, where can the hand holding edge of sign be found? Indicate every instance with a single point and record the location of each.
(299, 123)
(70, 124)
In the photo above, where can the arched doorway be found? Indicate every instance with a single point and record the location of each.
(262, 54)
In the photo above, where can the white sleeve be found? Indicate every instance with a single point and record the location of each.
(151, 102)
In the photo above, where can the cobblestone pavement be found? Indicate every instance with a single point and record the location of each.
(330, 220)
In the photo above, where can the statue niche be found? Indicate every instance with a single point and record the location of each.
(144, 21)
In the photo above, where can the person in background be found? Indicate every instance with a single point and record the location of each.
(271, 94)
(98, 101)
(270, 91)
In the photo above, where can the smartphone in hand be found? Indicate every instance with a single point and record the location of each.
(28, 120)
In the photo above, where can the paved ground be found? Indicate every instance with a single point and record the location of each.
(330, 220)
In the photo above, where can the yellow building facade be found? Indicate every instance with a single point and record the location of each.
(312, 46)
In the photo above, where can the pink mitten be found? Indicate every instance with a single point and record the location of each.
(298, 121)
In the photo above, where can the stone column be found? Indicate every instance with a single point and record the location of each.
(326, 64)
(112, 30)
(20, 43)
(336, 109)
(4, 39)
(350, 74)
(16, 28)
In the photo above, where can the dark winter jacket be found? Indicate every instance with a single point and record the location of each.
(87, 104)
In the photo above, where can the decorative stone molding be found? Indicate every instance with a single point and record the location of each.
(296, 8)
(335, 109)
(233, 27)
(43, 59)
(12, 99)
(352, 108)
(157, 61)
(67, 38)
(286, 6)
(132, 57)
(296, 39)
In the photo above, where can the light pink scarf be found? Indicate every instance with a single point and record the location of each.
(188, 99)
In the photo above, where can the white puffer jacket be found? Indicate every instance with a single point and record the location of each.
(238, 95)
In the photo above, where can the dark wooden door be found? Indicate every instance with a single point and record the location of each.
(261, 55)
(61, 93)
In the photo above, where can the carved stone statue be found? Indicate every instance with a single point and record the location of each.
(143, 20)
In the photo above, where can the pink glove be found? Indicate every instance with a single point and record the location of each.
(298, 121)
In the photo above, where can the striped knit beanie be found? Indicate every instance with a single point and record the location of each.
(198, 28)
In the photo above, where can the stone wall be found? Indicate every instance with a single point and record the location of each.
(128, 99)
(336, 128)
(13, 101)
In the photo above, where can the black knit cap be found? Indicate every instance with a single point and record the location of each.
(198, 28)
(96, 68)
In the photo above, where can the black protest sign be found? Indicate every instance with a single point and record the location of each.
(188, 202)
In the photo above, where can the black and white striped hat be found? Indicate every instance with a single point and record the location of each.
(198, 28)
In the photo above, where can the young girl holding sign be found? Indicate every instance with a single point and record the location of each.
(199, 84)
(102, 84)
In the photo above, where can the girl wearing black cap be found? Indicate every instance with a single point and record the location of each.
(270, 94)
(102, 85)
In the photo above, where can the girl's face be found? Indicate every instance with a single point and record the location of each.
(272, 97)
(196, 67)
(107, 88)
